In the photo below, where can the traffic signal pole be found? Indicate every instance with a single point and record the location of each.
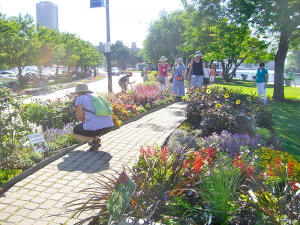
(108, 54)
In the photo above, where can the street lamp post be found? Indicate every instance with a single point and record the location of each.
(108, 58)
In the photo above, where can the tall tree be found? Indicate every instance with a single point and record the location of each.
(45, 44)
(18, 44)
(120, 54)
(166, 38)
(279, 17)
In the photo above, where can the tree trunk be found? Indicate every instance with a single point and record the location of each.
(280, 57)
(20, 76)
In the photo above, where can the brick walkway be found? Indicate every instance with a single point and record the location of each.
(39, 198)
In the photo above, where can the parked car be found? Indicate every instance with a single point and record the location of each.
(115, 71)
(8, 73)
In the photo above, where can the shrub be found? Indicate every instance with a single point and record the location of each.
(6, 175)
(222, 109)
(264, 133)
(274, 162)
(180, 138)
(11, 127)
(141, 109)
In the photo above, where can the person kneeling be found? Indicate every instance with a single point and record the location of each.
(92, 126)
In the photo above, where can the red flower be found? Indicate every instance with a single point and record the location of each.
(271, 171)
(278, 164)
(178, 78)
(250, 170)
(294, 186)
(290, 168)
(58, 99)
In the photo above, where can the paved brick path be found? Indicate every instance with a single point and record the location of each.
(39, 198)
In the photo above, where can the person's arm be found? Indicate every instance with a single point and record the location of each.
(79, 113)
(267, 78)
(127, 79)
(191, 66)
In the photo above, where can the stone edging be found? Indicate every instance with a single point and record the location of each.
(5, 186)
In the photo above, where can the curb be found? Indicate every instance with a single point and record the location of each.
(5, 186)
(44, 92)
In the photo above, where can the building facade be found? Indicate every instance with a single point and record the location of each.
(47, 14)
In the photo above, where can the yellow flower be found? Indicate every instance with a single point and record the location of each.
(188, 99)
(183, 99)
(218, 105)
(249, 99)
(226, 95)
(228, 91)
(270, 97)
(197, 90)
(208, 91)
(238, 102)
(262, 96)
(202, 97)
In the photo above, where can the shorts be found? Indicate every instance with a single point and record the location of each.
(206, 81)
(78, 129)
(197, 80)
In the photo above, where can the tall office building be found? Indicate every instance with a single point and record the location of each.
(47, 14)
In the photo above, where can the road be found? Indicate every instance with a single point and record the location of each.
(100, 86)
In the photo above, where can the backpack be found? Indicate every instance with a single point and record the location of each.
(101, 105)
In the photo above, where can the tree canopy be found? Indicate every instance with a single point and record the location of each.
(277, 17)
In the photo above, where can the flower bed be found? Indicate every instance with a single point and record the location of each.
(54, 119)
(214, 170)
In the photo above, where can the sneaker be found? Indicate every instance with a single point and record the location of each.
(95, 145)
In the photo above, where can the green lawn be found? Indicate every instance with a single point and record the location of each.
(286, 116)
(248, 88)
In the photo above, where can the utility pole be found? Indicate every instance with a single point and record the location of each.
(108, 54)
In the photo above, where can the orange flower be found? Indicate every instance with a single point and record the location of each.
(290, 168)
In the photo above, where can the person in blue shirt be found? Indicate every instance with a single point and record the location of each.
(178, 80)
(92, 126)
(261, 82)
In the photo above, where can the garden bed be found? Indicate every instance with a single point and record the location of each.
(223, 166)
(36, 112)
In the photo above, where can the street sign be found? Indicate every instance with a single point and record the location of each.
(38, 142)
(97, 3)
(107, 46)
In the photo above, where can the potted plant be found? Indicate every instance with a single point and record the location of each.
(288, 81)
(244, 76)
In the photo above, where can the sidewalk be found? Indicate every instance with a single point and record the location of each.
(40, 197)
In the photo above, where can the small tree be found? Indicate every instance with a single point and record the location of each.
(233, 45)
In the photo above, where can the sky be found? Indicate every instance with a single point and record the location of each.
(129, 19)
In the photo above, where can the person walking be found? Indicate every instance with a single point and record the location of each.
(163, 71)
(145, 73)
(206, 75)
(178, 80)
(292, 76)
(187, 78)
(92, 126)
(261, 82)
(212, 74)
(196, 68)
(123, 81)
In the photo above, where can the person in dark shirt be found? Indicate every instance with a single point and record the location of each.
(196, 72)
(123, 81)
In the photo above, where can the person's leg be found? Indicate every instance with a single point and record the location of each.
(200, 80)
(194, 82)
(161, 87)
(83, 138)
(166, 83)
(294, 82)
